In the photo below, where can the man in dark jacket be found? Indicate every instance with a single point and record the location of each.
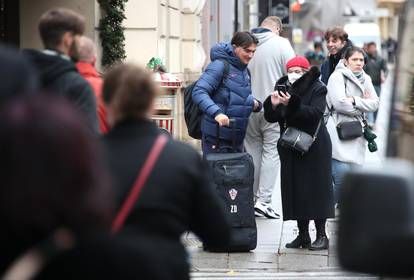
(336, 42)
(376, 68)
(59, 30)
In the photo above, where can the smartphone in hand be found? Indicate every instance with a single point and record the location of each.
(281, 88)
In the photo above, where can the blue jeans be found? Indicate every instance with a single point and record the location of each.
(339, 168)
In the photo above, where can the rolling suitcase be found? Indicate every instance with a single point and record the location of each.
(233, 177)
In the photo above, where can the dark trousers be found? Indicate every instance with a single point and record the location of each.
(303, 226)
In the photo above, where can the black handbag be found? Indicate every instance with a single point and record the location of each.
(298, 140)
(349, 130)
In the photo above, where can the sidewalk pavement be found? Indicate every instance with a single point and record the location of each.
(270, 256)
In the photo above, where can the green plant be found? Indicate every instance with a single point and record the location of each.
(111, 31)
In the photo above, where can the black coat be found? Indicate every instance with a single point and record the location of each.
(306, 181)
(101, 257)
(177, 197)
(59, 75)
(95, 255)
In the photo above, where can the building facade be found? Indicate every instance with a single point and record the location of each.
(168, 29)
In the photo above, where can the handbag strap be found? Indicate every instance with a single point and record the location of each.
(317, 129)
(142, 177)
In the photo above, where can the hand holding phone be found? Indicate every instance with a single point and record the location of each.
(281, 88)
(282, 95)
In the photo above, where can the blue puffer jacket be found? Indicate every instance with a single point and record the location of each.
(232, 96)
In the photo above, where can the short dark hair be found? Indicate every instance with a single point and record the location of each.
(52, 171)
(336, 32)
(130, 89)
(351, 50)
(371, 44)
(54, 23)
(244, 39)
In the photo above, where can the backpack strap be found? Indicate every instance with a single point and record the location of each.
(226, 69)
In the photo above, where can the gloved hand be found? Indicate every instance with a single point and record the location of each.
(369, 135)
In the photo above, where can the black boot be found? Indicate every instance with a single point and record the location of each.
(303, 240)
(322, 241)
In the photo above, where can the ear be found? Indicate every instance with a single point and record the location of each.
(110, 115)
(277, 30)
(66, 42)
(93, 60)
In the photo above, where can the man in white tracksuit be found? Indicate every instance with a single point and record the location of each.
(266, 67)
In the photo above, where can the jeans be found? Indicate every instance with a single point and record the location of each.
(261, 142)
(339, 168)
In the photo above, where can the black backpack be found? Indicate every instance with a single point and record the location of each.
(192, 114)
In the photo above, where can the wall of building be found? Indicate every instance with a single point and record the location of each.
(169, 29)
(389, 22)
(30, 12)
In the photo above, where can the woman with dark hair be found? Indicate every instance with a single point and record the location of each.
(56, 201)
(223, 92)
(351, 94)
(177, 196)
(306, 184)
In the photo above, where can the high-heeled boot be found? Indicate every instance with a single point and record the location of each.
(303, 240)
(322, 241)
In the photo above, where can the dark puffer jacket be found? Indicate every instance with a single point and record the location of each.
(58, 75)
(230, 95)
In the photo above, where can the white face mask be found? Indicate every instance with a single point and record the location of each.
(293, 77)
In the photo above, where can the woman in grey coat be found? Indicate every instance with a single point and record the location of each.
(350, 95)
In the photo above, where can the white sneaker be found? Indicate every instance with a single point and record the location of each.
(266, 210)
(257, 214)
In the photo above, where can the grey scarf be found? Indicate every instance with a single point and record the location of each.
(360, 77)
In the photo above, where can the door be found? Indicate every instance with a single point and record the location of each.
(9, 22)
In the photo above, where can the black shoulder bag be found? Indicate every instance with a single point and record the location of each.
(298, 140)
(348, 130)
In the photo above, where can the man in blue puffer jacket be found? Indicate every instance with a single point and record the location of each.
(223, 97)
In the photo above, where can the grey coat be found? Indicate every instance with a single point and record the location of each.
(366, 100)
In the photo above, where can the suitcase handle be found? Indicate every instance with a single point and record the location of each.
(232, 125)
